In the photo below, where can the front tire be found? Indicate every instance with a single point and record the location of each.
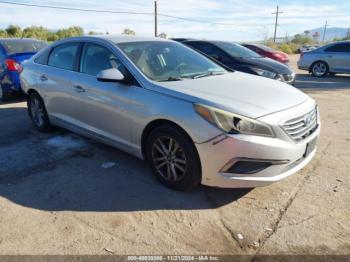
(173, 158)
(319, 69)
(38, 114)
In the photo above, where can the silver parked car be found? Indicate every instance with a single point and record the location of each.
(329, 59)
(192, 120)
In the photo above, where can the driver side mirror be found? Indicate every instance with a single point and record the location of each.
(110, 75)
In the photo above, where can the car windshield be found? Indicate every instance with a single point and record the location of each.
(169, 61)
(22, 46)
(237, 50)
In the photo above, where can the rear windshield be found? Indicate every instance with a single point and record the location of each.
(22, 46)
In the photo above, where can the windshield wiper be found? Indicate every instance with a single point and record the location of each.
(171, 78)
(207, 74)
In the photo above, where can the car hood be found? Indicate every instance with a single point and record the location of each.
(269, 64)
(237, 92)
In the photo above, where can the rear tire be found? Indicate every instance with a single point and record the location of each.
(173, 158)
(38, 114)
(319, 69)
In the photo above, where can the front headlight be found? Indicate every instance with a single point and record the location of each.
(264, 73)
(233, 123)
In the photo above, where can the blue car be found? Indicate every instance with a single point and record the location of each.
(13, 51)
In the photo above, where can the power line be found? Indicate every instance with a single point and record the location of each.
(74, 9)
(114, 12)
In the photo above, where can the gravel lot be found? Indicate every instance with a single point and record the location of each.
(55, 198)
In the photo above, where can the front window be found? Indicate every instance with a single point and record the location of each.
(22, 46)
(96, 58)
(169, 61)
(237, 50)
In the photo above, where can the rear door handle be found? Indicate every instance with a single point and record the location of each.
(43, 78)
(78, 89)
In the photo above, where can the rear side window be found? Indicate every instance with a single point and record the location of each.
(96, 58)
(42, 58)
(22, 46)
(344, 48)
(64, 56)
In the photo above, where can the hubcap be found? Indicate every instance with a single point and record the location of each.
(169, 159)
(319, 69)
(37, 112)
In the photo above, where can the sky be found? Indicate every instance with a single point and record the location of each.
(232, 20)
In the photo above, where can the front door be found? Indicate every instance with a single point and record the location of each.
(103, 107)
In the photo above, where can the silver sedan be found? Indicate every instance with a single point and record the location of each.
(192, 120)
(330, 59)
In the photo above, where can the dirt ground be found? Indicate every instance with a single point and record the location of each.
(55, 198)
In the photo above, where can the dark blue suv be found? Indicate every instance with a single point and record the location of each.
(13, 51)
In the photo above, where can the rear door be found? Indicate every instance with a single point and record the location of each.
(56, 80)
(338, 57)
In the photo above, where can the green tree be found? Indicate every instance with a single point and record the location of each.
(128, 31)
(37, 32)
(52, 37)
(94, 33)
(300, 39)
(70, 32)
(14, 31)
(3, 33)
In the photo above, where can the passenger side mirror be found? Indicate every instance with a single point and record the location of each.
(110, 75)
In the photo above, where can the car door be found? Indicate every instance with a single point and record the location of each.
(104, 107)
(338, 57)
(55, 80)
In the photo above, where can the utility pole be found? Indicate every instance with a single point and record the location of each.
(276, 22)
(155, 19)
(324, 31)
(348, 34)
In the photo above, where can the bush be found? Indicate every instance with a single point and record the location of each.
(288, 48)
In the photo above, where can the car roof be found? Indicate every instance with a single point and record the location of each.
(117, 38)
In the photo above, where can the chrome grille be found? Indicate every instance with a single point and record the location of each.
(299, 128)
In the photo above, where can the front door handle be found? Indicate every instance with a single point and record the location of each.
(43, 78)
(78, 89)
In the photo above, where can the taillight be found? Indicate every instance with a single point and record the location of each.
(12, 65)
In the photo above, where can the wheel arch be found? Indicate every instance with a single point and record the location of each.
(32, 90)
(154, 124)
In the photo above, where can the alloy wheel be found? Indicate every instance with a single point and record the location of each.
(37, 112)
(319, 69)
(169, 159)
